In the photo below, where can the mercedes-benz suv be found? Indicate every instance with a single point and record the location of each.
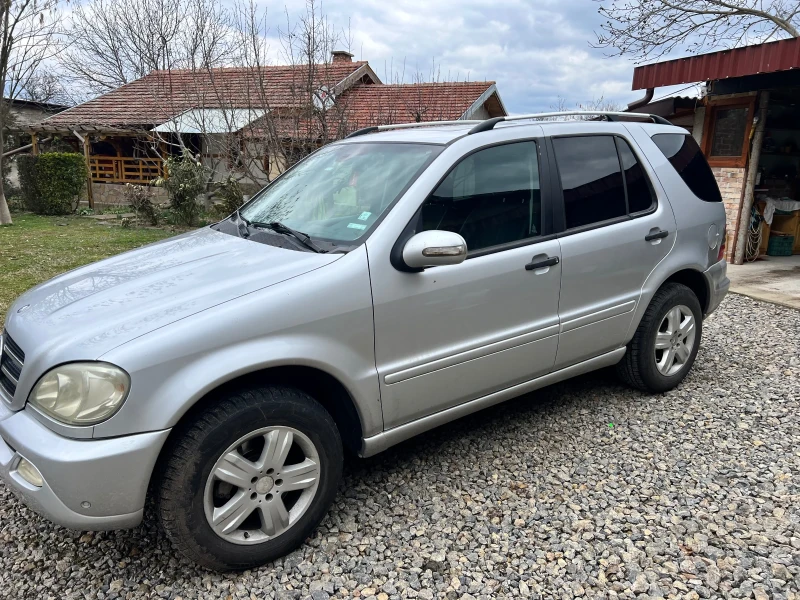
(387, 284)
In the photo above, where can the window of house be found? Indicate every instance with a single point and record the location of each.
(726, 131)
(591, 179)
(641, 195)
(491, 197)
(728, 136)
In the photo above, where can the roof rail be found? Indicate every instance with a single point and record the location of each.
(375, 128)
(609, 115)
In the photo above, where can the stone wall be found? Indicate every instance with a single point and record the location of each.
(731, 183)
(112, 194)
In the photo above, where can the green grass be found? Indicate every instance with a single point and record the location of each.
(36, 248)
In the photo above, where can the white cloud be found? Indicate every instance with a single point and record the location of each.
(536, 50)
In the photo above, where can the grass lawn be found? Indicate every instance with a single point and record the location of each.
(36, 248)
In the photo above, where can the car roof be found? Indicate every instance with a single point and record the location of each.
(435, 134)
(444, 134)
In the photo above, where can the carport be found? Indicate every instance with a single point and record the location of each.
(747, 121)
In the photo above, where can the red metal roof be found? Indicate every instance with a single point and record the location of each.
(782, 55)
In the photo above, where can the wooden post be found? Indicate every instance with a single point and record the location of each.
(750, 180)
(86, 151)
(35, 144)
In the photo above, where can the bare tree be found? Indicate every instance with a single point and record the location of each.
(45, 86)
(112, 43)
(301, 100)
(209, 71)
(27, 40)
(598, 104)
(647, 29)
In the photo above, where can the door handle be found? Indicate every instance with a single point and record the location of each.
(656, 235)
(541, 264)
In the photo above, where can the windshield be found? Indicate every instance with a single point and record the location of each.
(340, 191)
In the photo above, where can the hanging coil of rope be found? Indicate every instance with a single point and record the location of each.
(753, 236)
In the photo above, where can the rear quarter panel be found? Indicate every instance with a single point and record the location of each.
(693, 217)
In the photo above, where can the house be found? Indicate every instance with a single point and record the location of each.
(23, 114)
(29, 112)
(747, 123)
(251, 123)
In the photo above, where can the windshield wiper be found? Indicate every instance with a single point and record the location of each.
(242, 225)
(303, 238)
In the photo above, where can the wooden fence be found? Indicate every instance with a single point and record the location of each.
(116, 169)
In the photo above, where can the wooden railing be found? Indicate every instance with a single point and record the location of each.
(115, 169)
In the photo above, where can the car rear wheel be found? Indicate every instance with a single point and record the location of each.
(665, 344)
(249, 480)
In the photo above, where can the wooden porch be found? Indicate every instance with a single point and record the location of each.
(122, 169)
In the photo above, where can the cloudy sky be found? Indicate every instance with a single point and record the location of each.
(536, 50)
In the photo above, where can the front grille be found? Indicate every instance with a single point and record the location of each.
(11, 361)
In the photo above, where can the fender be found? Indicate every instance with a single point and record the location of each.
(166, 380)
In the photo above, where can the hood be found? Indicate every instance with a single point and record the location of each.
(87, 312)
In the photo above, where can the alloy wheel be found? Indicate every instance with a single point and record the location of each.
(675, 340)
(262, 485)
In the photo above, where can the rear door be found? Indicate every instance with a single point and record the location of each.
(614, 230)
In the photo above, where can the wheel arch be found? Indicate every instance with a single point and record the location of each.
(320, 385)
(691, 277)
(695, 281)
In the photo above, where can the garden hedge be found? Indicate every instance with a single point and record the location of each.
(28, 187)
(52, 183)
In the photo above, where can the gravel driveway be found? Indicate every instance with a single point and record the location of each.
(585, 489)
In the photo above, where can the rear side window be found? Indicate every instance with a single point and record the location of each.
(685, 155)
(641, 196)
(590, 179)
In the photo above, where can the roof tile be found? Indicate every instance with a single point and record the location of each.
(161, 95)
(369, 105)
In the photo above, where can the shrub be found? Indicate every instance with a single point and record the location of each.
(228, 197)
(51, 183)
(61, 177)
(15, 203)
(140, 199)
(29, 190)
(184, 183)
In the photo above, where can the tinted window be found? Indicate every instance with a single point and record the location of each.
(640, 192)
(590, 178)
(491, 197)
(685, 155)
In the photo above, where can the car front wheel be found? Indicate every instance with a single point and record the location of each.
(249, 480)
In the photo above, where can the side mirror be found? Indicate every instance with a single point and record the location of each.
(434, 249)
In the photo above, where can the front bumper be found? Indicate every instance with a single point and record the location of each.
(718, 284)
(88, 484)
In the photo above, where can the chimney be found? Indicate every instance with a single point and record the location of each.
(341, 56)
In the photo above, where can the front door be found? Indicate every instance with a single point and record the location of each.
(452, 334)
(615, 233)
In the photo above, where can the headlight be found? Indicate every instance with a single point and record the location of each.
(81, 393)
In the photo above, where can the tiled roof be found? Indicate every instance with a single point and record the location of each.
(162, 95)
(367, 105)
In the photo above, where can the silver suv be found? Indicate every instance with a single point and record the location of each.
(387, 284)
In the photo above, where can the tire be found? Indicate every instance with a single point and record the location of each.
(642, 366)
(284, 430)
